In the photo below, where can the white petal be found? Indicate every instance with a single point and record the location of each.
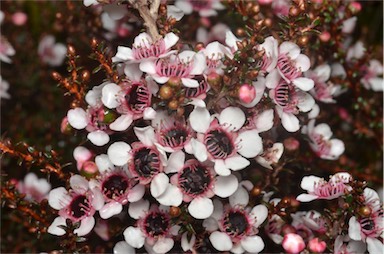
(260, 213)
(253, 244)
(54, 228)
(133, 72)
(302, 63)
(148, 66)
(134, 237)
(86, 225)
(200, 208)
(123, 54)
(264, 121)
(221, 168)
(272, 79)
(323, 72)
(233, 118)
(354, 229)
(199, 150)
(175, 162)
(324, 130)
(337, 148)
(159, 184)
(187, 82)
(240, 197)
(249, 143)
(123, 247)
(79, 184)
(118, 153)
(290, 122)
(304, 84)
(109, 95)
(236, 162)
(163, 245)
(225, 186)
(115, 11)
(138, 209)
(149, 113)
(200, 119)
(374, 245)
(103, 163)
(221, 241)
(199, 64)
(174, 12)
(98, 198)
(210, 224)
(98, 138)
(187, 244)
(306, 102)
(306, 197)
(77, 118)
(170, 39)
(171, 197)
(146, 135)
(110, 209)
(308, 183)
(377, 84)
(136, 193)
(289, 48)
(58, 198)
(121, 123)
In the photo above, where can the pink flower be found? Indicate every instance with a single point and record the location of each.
(50, 52)
(35, 189)
(79, 204)
(271, 155)
(19, 18)
(293, 243)
(372, 73)
(318, 188)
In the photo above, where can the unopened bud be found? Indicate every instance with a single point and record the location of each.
(19, 18)
(65, 127)
(247, 93)
(316, 245)
(355, 7)
(291, 144)
(166, 92)
(293, 243)
(174, 211)
(174, 82)
(325, 36)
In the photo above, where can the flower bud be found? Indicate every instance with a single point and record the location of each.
(166, 92)
(109, 116)
(214, 80)
(247, 93)
(365, 211)
(65, 127)
(293, 243)
(291, 144)
(316, 245)
(174, 81)
(173, 104)
(19, 18)
(325, 36)
(90, 168)
(174, 211)
(355, 7)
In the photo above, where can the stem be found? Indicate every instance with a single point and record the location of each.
(148, 15)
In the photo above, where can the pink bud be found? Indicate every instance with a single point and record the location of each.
(325, 36)
(123, 31)
(205, 21)
(293, 243)
(264, 2)
(343, 113)
(90, 167)
(19, 18)
(355, 7)
(247, 93)
(291, 144)
(65, 127)
(81, 155)
(316, 245)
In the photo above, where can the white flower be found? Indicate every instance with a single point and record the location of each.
(6, 50)
(271, 54)
(372, 79)
(356, 51)
(271, 155)
(35, 189)
(205, 8)
(4, 86)
(50, 52)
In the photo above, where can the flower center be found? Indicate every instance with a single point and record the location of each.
(236, 223)
(287, 68)
(98, 118)
(146, 162)
(80, 207)
(175, 136)
(156, 224)
(219, 143)
(154, 50)
(176, 68)
(194, 179)
(115, 187)
(285, 97)
(138, 98)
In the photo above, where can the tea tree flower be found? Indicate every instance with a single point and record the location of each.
(205, 8)
(50, 52)
(34, 188)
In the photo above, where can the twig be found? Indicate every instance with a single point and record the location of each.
(148, 15)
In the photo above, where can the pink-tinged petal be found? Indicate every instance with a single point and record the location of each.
(138, 209)
(200, 208)
(374, 245)
(171, 197)
(77, 118)
(323, 72)
(123, 54)
(260, 213)
(315, 111)
(249, 143)
(103, 163)
(240, 197)
(123, 247)
(79, 184)
(259, 86)
(236, 162)
(221, 241)
(306, 102)
(185, 6)
(337, 148)
(306, 197)
(58, 198)
(98, 138)
(207, 13)
(377, 84)
(146, 135)
(225, 186)
(133, 72)
(175, 162)
(231, 40)
(290, 49)
(253, 244)
(81, 155)
(86, 225)
(136, 193)
(349, 25)
(174, 12)
(118, 153)
(170, 39)
(290, 122)
(134, 237)
(210, 224)
(221, 168)
(109, 95)
(264, 121)
(160, 80)
(121, 123)
(187, 244)
(197, 103)
(272, 79)
(115, 11)
(200, 119)
(163, 245)
(237, 248)
(354, 229)
(55, 229)
(148, 66)
(308, 183)
(304, 84)
(98, 199)
(159, 184)
(187, 82)
(199, 64)
(149, 113)
(152, 85)
(302, 63)
(232, 118)
(199, 150)
(324, 130)
(110, 209)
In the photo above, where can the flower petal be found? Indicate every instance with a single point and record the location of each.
(163, 245)
(138, 209)
(171, 197)
(302, 63)
(170, 39)
(232, 117)
(79, 184)
(221, 241)
(159, 184)
(118, 153)
(123, 247)
(133, 72)
(200, 208)
(290, 122)
(187, 244)
(77, 118)
(136, 193)
(121, 123)
(225, 186)
(260, 213)
(264, 121)
(236, 162)
(249, 143)
(354, 229)
(175, 162)
(304, 84)
(221, 168)
(308, 183)
(253, 244)
(374, 245)
(109, 95)
(146, 135)
(289, 48)
(103, 163)
(110, 209)
(240, 197)
(187, 82)
(58, 198)
(98, 138)
(199, 150)
(86, 225)
(306, 197)
(200, 119)
(54, 228)
(134, 237)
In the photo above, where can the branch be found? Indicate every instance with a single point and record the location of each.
(148, 15)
